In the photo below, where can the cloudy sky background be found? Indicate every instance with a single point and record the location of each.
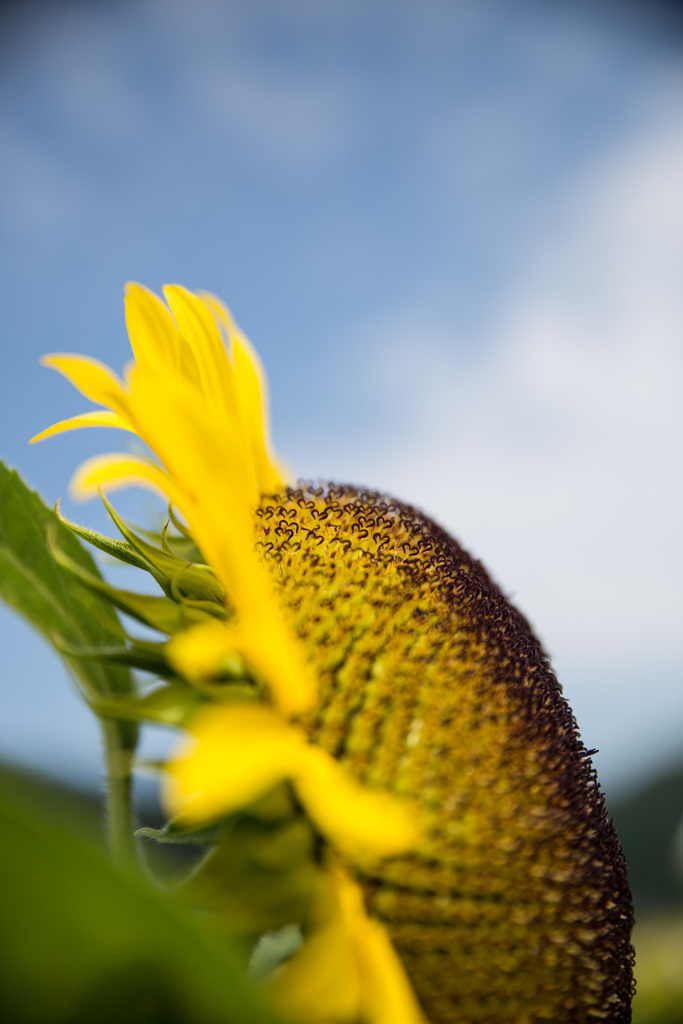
(455, 233)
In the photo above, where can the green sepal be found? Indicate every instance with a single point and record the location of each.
(195, 584)
(118, 549)
(180, 527)
(178, 579)
(142, 654)
(184, 544)
(170, 704)
(226, 690)
(174, 834)
(260, 876)
(272, 949)
(182, 547)
(203, 610)
(158, 612)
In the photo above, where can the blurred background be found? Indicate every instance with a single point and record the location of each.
(454, 231)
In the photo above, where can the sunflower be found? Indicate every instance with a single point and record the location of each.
(358, 678)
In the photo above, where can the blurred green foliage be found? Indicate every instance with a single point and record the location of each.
(649, 823)
(658, 939)
(86, 942)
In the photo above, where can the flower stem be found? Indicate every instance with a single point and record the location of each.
(119, 747)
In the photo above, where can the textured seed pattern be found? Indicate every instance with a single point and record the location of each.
(515, 907)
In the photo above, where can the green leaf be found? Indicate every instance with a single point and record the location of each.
(41, 590)
(87, 943)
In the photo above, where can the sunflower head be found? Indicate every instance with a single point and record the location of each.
(514, 904)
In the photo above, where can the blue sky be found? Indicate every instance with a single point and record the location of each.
(455, 234)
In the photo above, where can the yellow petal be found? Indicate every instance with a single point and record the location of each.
(153, 335)
(202, 651)
(264, 641)
(98, 418)
(347, 969)
(118, 470)
(214, 485)
(387, 996)
(198, 327)
(236, 754)
(321, 983)
(91, 377)
(196, 447)
(241, 751)
(251, 392)
(356, 819)
(215, 489)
